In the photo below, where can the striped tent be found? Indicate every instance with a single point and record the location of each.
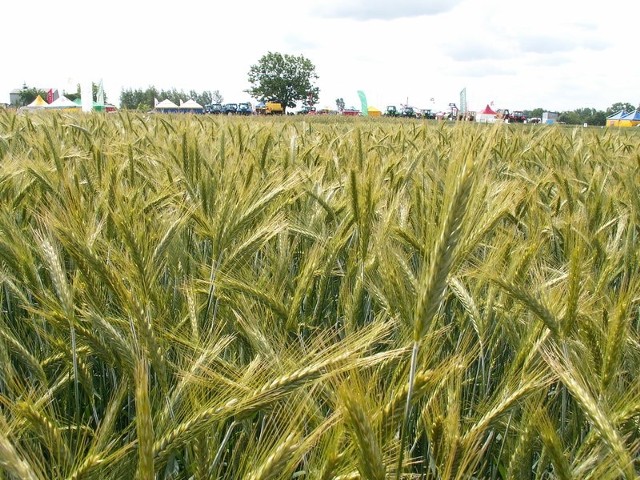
(630, 119)
(37, 104)
(614, 120)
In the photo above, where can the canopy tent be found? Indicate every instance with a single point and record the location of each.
(63, 103)
(486, 116)
(166, 106)
(630, 120)
(373, 112)
(37, 104)
(191, 106)
(614, 120)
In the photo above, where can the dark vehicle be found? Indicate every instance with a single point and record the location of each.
(214, 108)
(305, 110)
(428, 114)
(511, 117)
(230, 108)
(392, 111)
(408, 112)
(518, 117)
(244, 108)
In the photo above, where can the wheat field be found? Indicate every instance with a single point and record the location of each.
(188, 297)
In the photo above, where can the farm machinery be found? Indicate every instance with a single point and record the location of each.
(391, 111)
(511, 117)
(269, 108)
(405, 111)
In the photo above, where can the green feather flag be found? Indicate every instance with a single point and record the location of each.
(363, 103)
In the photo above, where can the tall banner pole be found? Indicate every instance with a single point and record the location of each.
(100, 95)
(463, 101)
(86, 95)
(364, 108)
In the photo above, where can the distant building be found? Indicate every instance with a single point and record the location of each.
(550, 117)
(14, 97)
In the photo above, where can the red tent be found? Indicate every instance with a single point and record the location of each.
(487, 111)
(486, 116)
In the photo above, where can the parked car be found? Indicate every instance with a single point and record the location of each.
(214, 108)
(230, 108)
(244, 108)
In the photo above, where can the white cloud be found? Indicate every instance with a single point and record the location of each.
(383, 9)
(478, 49)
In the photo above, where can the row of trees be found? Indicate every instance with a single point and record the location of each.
(144, 99)
(590, 116)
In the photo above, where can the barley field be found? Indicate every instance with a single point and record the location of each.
(188, 297)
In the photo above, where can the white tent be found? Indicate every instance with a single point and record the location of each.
(191, 105)
(63, 102)
(166, 105)
(37, 104)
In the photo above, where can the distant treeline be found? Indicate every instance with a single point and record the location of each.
(580, 116)
(139, 99)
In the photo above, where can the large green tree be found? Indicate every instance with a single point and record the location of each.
(616, 107)
(283, 78)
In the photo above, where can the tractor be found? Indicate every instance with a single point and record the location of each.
(407, 112)
(392, 111)
(511, 117)
(244, 108)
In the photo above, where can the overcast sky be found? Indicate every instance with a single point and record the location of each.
(555, 54)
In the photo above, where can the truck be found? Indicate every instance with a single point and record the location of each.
(270, 108)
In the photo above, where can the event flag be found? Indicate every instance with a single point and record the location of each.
(100, 95)
(364, 109)
(86, 96)
(463, 101)
(50, 95)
